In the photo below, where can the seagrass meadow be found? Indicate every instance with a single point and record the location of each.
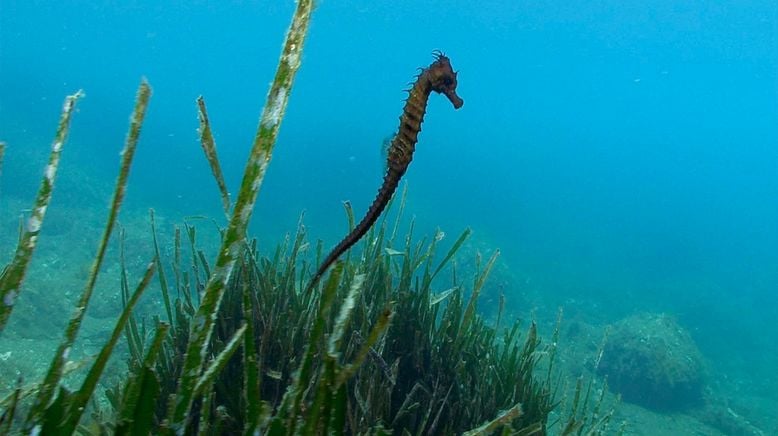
(391, 341)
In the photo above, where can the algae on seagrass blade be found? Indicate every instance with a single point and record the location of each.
(261, 152)
(12, 277)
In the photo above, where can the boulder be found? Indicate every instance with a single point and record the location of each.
(652, 361)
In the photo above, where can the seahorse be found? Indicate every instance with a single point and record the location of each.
(439, 77)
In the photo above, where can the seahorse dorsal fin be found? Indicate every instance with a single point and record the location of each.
(386, 144)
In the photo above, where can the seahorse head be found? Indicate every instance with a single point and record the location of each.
(443, 79)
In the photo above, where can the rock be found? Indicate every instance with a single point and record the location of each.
(653, 362)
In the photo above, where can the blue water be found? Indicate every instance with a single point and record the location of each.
(619, 153)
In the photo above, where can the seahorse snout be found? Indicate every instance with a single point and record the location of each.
(454, 98)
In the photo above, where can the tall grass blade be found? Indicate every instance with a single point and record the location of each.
(454, 248)
(251, 379)
(140, 393)
(160, 270)
(7, 418)
(54, 374)
(503, 419)
(469, 314)
(78, 402)
(342, 321)
(12, 277)
(261, 152)
(134, 341)
(286, 418)
(481, 280)
(375, 334)
(339, 406)
(209, 147)
(400, 211)
(220, 361)
(437, 298)
(349, 215)
(2, 153)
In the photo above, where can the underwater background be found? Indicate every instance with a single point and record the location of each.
(622, 156)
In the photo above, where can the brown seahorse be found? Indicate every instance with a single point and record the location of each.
(438, 77)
